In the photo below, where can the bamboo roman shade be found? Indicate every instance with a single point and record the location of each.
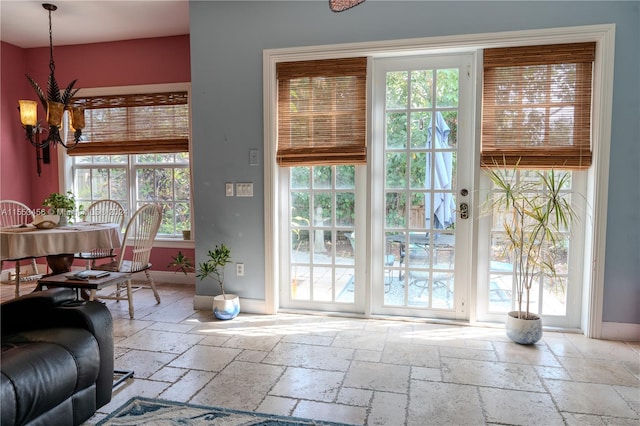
(134, 124)
(322, 112)
(536, 106)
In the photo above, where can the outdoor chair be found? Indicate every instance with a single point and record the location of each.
(15, 213)
(389, 260)
(103, 211)
(135, 252)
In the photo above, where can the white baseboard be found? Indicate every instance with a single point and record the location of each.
(168, 277)
(620, 331)
(249, 306)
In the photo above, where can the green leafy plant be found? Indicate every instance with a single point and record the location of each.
(536, 215)
(181, 263)
(214, 265)
(61, 204)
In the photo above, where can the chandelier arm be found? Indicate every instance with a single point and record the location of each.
(31, 131)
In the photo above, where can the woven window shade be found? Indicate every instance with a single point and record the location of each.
(134, 124)
(536, 106)
(322, 112)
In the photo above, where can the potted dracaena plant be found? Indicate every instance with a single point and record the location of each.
(225, 306)
(536, 215)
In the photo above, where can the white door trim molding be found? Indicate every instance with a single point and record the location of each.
(598, 186)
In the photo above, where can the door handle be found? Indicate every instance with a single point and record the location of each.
(464, 211)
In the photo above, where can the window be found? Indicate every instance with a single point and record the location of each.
(536, 106)
(135, 150)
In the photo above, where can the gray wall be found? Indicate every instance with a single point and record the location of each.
(227, 41)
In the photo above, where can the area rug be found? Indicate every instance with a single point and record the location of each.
(145, 411)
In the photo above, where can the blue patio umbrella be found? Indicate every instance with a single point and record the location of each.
(443, 202)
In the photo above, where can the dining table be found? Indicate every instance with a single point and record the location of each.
(57, 244)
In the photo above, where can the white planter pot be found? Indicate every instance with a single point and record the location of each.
(523, 331)
(226, 307)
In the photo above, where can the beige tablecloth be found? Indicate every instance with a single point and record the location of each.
(18, 243)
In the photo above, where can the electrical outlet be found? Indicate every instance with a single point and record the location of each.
(240, 269)
(253, 157)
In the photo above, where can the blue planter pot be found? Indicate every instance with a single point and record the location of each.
(523, 331)
(226, 307)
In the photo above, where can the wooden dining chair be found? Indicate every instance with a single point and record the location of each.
(135, 252)
(15, 213)
(102, 211)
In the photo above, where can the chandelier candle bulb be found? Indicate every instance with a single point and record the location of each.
(54, 113)
(77, 117)
(28, 112)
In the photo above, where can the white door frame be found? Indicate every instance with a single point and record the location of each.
(598, 176)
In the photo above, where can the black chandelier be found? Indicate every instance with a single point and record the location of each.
(55, 103)
(341, 5)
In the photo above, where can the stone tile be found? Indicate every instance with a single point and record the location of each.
(411, 354)
(308, 339)
(128, 327)
(208, 358)
(304, 383)
(537, 354)
(331, 412)
(256, 343)
(277, 405)
(143, 363)
(604, 349)
(631, 394)
(558, 373)
(310, 356)
(599, 371)
(214, 340)
(241, 386)
(388, 409)
(352, 396)
(448, 404)
(160, 341)
(367, 355)
(168, 326)
(378, 377)
(357, 340)
(511, 407)
(469, 353)
(191, 383)
(589, 398)
(493, 374)
(430, 374)
(169, 374)
(251, 356)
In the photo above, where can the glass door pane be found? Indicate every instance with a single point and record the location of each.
(322, 231)
(420, 111)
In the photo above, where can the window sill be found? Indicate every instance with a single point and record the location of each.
(174, 243)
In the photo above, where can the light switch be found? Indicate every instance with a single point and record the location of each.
(228, 189)
(244, 189)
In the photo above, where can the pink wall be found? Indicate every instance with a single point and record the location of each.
(124, 63)
(16, 177)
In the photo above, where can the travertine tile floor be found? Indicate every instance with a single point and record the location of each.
(369, 371)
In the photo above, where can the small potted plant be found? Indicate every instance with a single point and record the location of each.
(536, 215)
(63, 205)
(225, 306)
(181, 263)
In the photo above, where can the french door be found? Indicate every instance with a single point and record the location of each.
(388, 238)
(422, 189)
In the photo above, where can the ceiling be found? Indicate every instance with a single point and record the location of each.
(25, 23)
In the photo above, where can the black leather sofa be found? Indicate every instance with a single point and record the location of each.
(57, 359)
